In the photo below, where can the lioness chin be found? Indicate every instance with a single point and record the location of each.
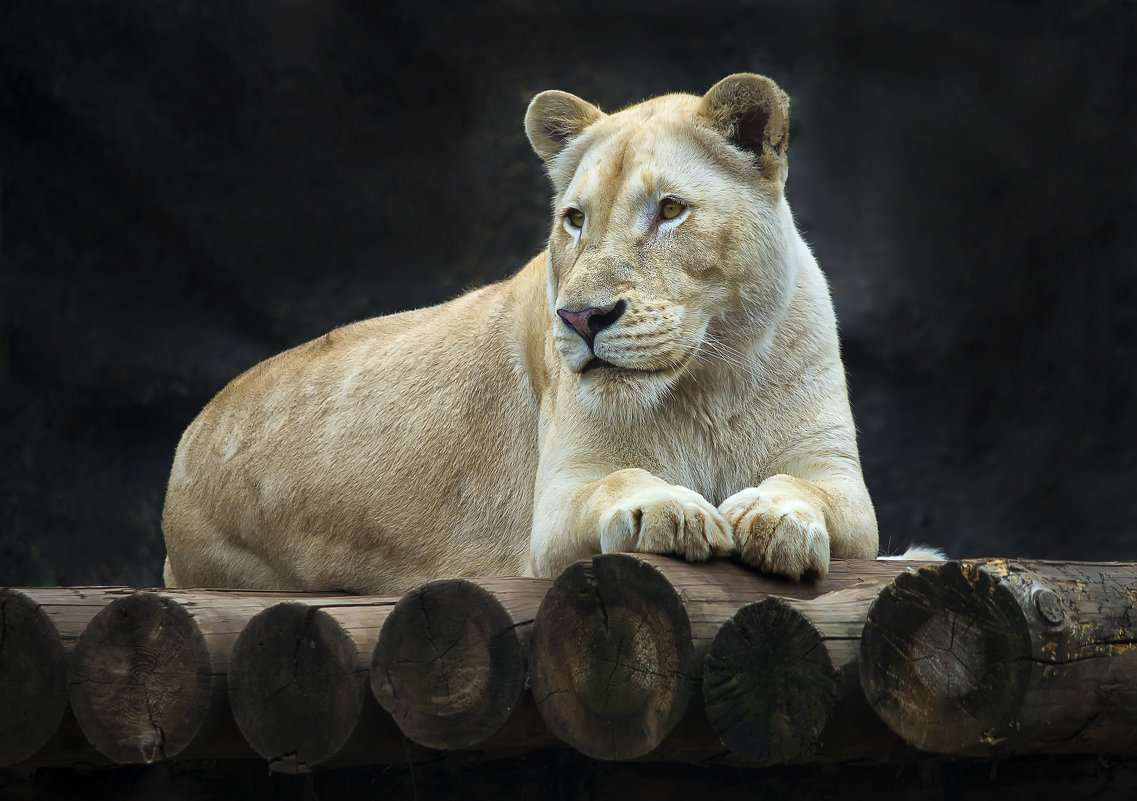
(665, 377)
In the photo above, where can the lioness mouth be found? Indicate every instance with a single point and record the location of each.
(595, 363)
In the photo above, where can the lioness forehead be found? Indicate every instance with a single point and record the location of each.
(651, 161)
(649, 149)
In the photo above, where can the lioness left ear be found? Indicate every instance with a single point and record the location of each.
(556, 117)
(753, 113)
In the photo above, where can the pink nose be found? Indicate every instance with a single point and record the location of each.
(592, 321)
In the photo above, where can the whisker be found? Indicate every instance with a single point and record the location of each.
(710, 347)
(705, 348)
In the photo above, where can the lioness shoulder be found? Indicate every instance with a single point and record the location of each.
(664, 377)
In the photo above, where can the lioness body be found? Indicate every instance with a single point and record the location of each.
(665, 377)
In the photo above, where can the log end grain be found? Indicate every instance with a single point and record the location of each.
(141, 681)
(769, 684)
(295, 685)
(946, 657)
(449, 666)
(611, 657)
(33, 677)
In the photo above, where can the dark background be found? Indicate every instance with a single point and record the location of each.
(189, 187)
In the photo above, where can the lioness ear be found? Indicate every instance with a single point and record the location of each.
(554, 118)
(753, 114)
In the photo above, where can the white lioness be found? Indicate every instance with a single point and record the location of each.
(665, 377)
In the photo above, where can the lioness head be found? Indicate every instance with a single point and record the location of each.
(669, 237)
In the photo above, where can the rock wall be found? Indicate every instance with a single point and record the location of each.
(187, 188)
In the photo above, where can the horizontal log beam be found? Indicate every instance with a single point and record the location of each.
(628, 656)
(996, 657)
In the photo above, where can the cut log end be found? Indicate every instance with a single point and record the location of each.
(945, 657)
(611, 657)
(33, 677)
(769, 684)
(295, 685)
(140, 679)
(449, 666)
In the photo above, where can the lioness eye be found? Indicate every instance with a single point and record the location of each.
(575, 218)
(670, 208)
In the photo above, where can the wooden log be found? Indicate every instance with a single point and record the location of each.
(148, 675)
(617, 648)
(450, 664)
(781, 682)
(299, 689)
(38, 630)
(995, 657)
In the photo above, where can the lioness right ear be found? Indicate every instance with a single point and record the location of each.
(753, 113)
(556, 117)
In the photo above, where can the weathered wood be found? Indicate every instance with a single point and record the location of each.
(769, 684)
(781, 682)
(299, 690)
(38, 630)
(450, 664)
(617, 649)
(148, 675)
(611, 659)
(994, 657)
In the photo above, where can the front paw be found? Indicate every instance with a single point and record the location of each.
(778, 531)
(662, 518)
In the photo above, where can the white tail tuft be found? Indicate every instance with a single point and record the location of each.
(920, 553)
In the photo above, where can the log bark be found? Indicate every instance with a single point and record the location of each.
(148, 675)
(38, 631)
(997, 657)
(299, 690)
(450, 664)
(781, 682)
(617, 649)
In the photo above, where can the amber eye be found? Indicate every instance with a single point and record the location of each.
(575, 218)
(670, 208)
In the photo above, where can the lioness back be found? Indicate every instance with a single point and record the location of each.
(314, 468)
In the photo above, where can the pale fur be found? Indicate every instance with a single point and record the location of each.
(468, 438)
(919, 553)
